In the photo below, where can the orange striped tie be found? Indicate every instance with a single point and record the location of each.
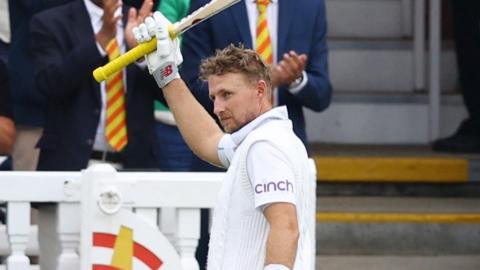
(263, 43)
(116, 127)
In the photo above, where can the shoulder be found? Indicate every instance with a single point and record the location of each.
(55, 14)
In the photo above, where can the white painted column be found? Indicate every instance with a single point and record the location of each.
(419, 45)
(187, 237)
(168, 224)
(18, 229)
(434, 76)
(407, 17)
(68, 230)
(149, 214)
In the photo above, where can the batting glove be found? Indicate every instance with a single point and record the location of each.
(162, 63)
(276, 267)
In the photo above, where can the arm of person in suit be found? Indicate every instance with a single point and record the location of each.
(61, 68)
(315, 91)
(7, 135)
(197, 44)
(7, 126)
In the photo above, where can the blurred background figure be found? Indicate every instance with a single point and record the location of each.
(173, 152)
(5, 33)
(7, 126)
(28, 103)
(88, 122)
(466, 28)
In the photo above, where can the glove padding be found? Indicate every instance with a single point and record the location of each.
(162, 63)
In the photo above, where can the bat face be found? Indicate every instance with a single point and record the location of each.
(202, 14)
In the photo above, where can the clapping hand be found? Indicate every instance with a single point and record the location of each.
(288, 69)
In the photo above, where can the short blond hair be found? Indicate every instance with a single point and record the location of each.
(239, 60)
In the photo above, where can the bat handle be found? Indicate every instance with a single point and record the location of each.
(102, 73)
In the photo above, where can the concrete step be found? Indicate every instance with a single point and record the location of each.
(368, 18)
(382, 65)
(393, 164)
(350, 262)
(398, 226)
(381, 118)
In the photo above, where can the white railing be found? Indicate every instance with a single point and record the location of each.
(433, 67)
(169, 201)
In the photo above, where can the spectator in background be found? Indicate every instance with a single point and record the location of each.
(28, 103)
(68, 43)
(466, 28)
(138, 4)
(7, 127)
(291, 38)
(173, 152)
(5, 34)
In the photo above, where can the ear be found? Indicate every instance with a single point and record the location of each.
(261, 88)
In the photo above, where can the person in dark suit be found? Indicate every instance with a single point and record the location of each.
(7, 126)
(68, 43)
(298, 32)
(466, 30)
(28, 103)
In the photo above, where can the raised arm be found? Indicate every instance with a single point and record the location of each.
(197, 127)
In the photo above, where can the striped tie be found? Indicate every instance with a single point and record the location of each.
(116, 127)
(263, 43)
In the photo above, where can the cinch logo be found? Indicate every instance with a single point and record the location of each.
(274, 186)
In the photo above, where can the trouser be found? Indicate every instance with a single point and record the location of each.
(466, 27)
(25, 154)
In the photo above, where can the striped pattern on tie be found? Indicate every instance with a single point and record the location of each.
(116, 126)
(263, 42)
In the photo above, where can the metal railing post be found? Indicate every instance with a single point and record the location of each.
(434, 69)
(419, 45)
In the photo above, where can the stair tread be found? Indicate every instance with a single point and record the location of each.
(397, 205)
(385, 150)
(382, 262)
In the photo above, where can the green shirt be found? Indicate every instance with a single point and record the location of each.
(174, 10)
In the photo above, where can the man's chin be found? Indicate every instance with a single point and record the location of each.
(230, 130)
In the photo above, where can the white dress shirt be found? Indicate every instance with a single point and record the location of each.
(96, 14)
(5, 34)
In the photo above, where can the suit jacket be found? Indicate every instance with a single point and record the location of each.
(301, 27)
(28, 103)
(65, 54)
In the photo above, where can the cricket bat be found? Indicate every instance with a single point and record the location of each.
(215, 6)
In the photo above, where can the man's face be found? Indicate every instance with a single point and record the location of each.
(236, 100)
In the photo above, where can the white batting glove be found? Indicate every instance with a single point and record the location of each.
(162, 63)
(276, 267)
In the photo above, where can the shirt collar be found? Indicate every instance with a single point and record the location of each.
(255, 1)
(278, 113)
(95, 11)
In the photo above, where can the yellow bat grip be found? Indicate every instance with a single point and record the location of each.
(102, 73)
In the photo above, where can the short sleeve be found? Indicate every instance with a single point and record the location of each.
(226, 149)
(271, 175)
